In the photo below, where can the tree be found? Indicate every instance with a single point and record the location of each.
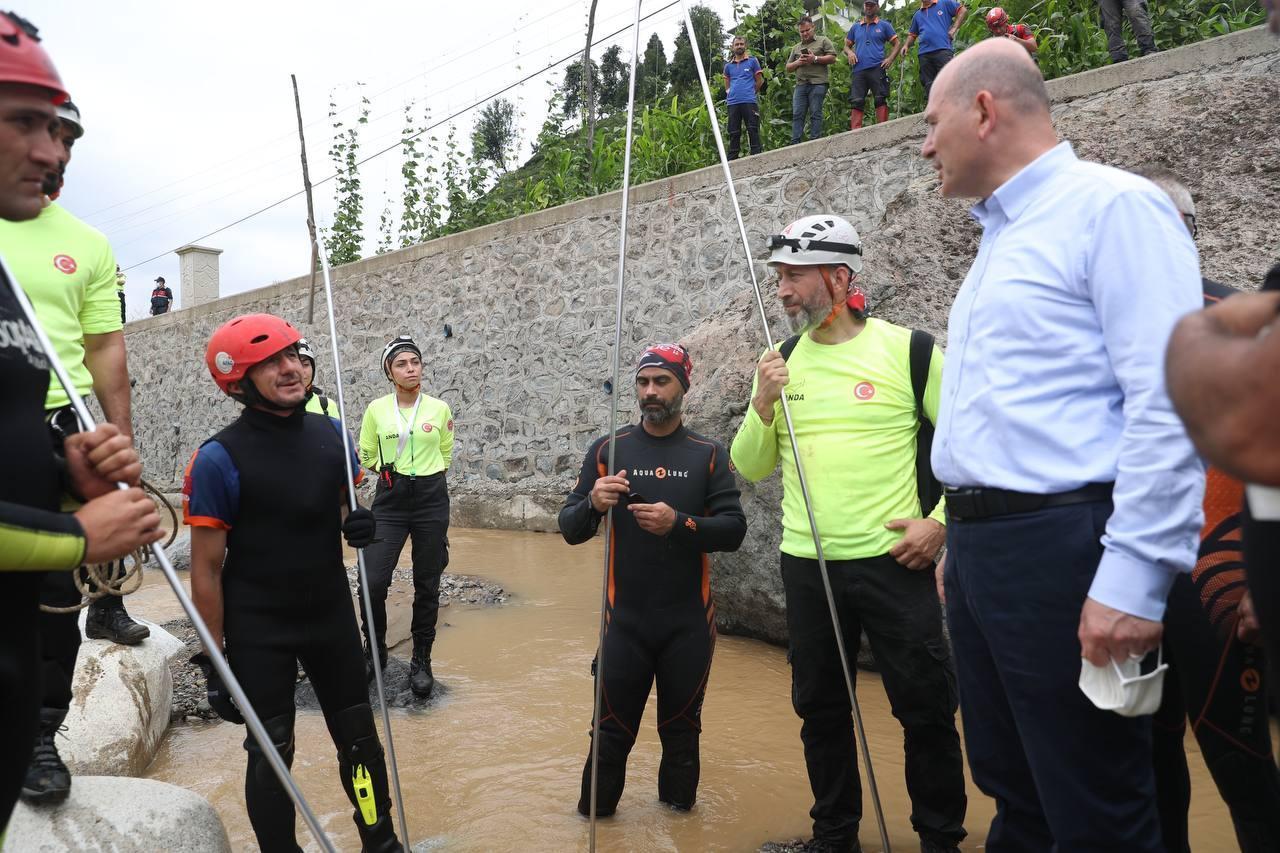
(495, 135)
(614, 75)
(590, 97)
(652, 74)
(345, 240)
(572, 88)
(710, 34)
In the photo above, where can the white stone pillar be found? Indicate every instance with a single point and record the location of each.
(198, 276)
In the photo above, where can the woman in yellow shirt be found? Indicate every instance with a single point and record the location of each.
(407, 438)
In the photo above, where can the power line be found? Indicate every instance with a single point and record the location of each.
(117, 224)
(396, 145)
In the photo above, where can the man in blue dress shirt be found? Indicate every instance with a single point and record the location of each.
(1073, 491)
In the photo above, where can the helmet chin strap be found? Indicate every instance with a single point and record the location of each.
(839, 302)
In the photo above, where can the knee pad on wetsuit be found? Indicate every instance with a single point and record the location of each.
(679, 769)
(271, 811)
(361, 763)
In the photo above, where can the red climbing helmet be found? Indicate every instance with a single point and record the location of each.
(241, 343)
(997, 17)
(23, 60)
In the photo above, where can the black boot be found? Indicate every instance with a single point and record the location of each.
(368, 661)
(421, 681)
(107, 620)
(48, 780)
(364, 778)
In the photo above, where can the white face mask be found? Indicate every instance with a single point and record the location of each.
(1123, 687)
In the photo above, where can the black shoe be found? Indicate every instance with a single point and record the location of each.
(421, 681)
(111, 622)
(379, 838)
(822, 845)
(48, 780)
(927, 846)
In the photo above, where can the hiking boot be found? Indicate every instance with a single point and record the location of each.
(822, 845)
(379, 838)
(421, 681)
(48, 780)
(107, 620)
(368, 662)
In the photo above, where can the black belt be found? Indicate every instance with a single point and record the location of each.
(973, 504)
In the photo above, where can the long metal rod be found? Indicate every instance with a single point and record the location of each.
(374, 654)
(311, 210)
(613, 427)
(791, 433)
(251, 719)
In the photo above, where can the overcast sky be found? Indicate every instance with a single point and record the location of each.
(190, 121)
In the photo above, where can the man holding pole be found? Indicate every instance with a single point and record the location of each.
(856, 392)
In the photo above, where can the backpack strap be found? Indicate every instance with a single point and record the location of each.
(920, 354)
(789, 345)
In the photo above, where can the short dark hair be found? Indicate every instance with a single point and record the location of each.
(805, 20)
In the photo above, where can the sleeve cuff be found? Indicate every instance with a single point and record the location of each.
(1131, 586)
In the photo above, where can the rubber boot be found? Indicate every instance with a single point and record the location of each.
(48, 780)
(882, 113)
(421, 680)
(364, 778)
(107, 620)
(855, 119)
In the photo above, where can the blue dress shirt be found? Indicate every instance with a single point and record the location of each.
(1055, 364)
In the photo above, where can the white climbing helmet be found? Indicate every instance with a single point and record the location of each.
(817, 240)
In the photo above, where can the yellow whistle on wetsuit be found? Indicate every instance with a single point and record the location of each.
(362, 785)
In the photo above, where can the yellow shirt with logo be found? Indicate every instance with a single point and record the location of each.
(68, 271)
(855, 422)
(429, 447)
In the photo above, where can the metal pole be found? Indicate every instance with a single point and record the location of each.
(251, 719)
(613, 426)
(311, 212)
(364, 575)
(791, 434)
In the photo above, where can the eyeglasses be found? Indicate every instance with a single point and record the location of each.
(1190, 219)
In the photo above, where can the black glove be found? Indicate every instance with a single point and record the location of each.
(359, 528)
(219, 697)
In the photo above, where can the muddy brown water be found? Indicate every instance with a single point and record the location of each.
(495, 766)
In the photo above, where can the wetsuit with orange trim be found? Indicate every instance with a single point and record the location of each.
(660, 617)
(1216, 680)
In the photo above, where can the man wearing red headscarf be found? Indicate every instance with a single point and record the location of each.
(672, 500)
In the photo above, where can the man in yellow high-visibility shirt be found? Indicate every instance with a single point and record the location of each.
(407, 438)
(856, 412)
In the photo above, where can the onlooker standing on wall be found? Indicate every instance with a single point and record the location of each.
(161, 297)
(1074, 495)
(742, 80)
(934, 24)
(864, 47)
(998, 25)
(1113, 25)
(809, 60)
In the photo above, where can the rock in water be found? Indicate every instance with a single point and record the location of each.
(121, 705)
(121, 815)
(396, 681)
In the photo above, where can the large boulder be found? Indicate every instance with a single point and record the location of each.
(120, 708)
(120, 815)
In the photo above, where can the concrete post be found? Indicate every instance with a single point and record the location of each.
(199, 275)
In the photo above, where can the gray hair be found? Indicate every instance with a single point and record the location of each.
(1172, 185)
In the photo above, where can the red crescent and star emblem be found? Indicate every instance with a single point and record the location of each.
(427, 427)
(449, 426)
(864, 390)
(65, 264)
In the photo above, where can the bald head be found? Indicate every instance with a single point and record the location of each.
(997, 66)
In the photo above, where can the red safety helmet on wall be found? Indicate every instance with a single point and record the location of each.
(241, 343)
(23, 60)
(997, 17)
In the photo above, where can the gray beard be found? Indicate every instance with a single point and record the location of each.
(663, 415)
(803, 321)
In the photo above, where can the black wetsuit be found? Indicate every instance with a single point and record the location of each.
(661, 617)
(29, 498)
(277, 485)
(1217, 681)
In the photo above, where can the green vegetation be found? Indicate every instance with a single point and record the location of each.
(445, 191)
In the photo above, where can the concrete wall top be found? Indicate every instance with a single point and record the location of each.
(1218, 51)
